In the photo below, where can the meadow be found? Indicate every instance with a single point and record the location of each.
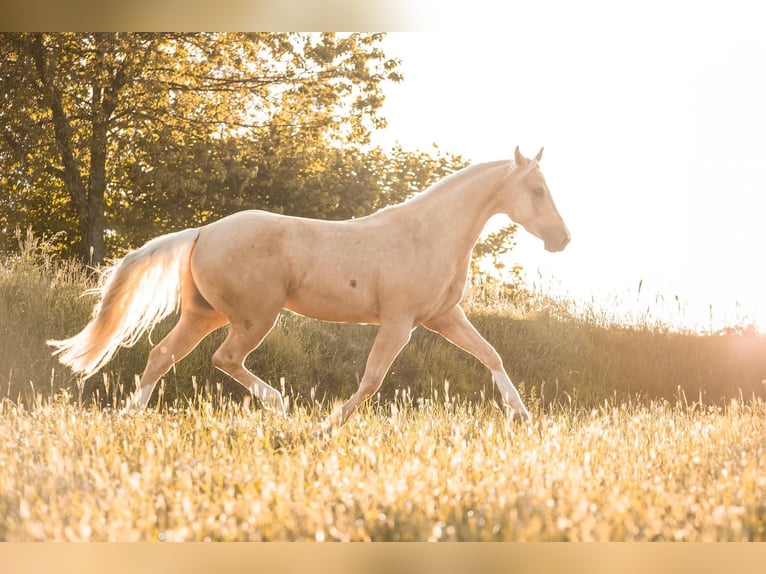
(639, 432)
(401, 471)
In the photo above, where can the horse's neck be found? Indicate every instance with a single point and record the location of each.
(460, 204)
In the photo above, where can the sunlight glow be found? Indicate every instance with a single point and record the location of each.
(653, 150)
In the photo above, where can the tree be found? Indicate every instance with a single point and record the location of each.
(86, 117)
(117, 138)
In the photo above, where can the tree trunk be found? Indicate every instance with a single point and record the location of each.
(88, 202)
(97, 177)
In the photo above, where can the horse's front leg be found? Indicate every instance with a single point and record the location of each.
(456, 328)
(391, 338)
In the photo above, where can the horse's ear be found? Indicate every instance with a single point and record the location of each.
(539, 155)
(520, 159)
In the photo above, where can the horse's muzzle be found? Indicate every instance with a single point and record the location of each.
(558, 244)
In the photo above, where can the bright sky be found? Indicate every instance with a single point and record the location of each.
(653, 119)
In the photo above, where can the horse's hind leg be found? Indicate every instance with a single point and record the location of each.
(244, 336)
(193, 325)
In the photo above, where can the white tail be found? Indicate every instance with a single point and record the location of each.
(137, 292)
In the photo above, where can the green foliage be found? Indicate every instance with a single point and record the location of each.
(108, 140)
(126, 134)
(291, 174)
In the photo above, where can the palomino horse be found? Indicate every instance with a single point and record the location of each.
(403, 266)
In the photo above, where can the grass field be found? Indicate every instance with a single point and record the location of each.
(405, 470)
(640, 433)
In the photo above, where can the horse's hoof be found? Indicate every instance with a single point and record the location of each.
(127, 411)
(521, 417)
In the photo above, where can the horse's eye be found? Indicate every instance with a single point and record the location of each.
(538, 191)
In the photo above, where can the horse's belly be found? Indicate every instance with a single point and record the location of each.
(342, 305)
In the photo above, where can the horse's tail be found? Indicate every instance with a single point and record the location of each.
(136, 292)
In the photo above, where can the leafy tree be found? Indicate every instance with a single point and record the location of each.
(117, 138)
(85, 117)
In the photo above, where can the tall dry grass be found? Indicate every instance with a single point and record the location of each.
(405, 470)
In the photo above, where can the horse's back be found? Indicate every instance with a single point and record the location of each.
(347, 271)
(310, 266)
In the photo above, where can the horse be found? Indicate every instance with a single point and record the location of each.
(403, 266)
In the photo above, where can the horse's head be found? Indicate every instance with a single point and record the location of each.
(528, 202)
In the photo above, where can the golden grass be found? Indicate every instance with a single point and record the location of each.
(404, 470)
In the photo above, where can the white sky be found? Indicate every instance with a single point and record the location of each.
(653, 119)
